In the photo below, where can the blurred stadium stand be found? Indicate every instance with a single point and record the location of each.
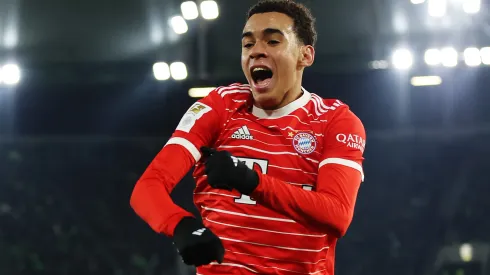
(86, 115)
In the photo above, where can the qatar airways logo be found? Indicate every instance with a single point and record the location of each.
(352, 141)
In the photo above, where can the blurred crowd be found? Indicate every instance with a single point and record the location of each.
(64, 206)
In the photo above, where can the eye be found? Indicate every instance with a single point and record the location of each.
(273, 42)
(248, 45)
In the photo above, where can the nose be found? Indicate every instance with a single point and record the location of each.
(258, 51)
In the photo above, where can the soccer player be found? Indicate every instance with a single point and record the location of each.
(277, 167)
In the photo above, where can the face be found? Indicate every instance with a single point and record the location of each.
(273, 59)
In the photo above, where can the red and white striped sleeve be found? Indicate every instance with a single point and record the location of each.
(151, 199)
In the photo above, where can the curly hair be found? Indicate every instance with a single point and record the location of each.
(304, 22)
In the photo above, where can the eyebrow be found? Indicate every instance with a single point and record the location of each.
(267, 31)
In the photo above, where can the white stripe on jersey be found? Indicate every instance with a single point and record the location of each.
(319, 104)
(222, 89)
(265, 152)
(256, 131)
(345, 162)
(295, 169)
(275, 126)
(233, 89)
(214, 193)
(265, 257)
(268, 144)
(246, 215)
(236, 265)
(280, 247)
(187, 145)
(299, 119)
(288, 270)
(264, 230)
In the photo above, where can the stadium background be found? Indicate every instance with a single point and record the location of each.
(83, 110)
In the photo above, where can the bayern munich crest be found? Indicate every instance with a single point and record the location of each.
(304, 143)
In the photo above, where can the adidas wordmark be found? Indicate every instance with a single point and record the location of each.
(242, 133)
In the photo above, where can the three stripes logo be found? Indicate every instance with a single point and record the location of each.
(242, 133)
(199, 232)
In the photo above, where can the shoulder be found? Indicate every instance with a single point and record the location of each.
(333, 112)
(326, 108)
(236, 91)
(226, 97)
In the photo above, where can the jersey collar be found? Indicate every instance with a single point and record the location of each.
(286, 110)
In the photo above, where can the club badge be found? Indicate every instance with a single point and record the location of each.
(304, 143)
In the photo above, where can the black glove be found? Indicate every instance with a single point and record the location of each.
(225, 172)
(196, 244)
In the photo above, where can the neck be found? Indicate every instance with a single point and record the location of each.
(291, 95)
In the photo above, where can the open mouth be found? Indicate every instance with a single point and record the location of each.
(261, 74)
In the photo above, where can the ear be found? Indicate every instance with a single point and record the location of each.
(307, 56)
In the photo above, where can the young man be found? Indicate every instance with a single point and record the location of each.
(277, 168)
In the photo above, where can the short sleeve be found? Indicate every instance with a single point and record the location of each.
(200, 124)
(344, 140)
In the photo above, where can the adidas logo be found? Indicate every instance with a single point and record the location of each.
(242, 133)
(199, 232)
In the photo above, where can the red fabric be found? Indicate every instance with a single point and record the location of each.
(151, 195)
(329, 210)
(310, 164)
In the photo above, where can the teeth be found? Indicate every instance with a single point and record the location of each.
(259, 69)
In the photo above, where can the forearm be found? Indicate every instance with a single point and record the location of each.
(328, 210)
(151, 196)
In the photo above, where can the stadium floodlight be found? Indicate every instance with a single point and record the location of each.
(432, 57)
(161, 71)
(471, 6)
(189, 10)
(437, 8)
(209, 10)
(402, 59)
(472, 57)
(10, 74)
(178, 24)
(417, 2)
(429, 80)
(200, 91)
(485, 55)
(178, 70)
(466, 252)
(449, 57)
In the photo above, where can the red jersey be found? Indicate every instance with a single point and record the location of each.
(309, 157)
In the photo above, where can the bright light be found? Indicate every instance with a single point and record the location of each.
(437, 8)
(379, 64)
(200, 92)
(189, 10)
(161, 71)
(402, 59)
(10, 74)
(466, 252)
(178, 24)
(426, 80)
(449, 57)
(472, 57)
(485, 55)
(209, 10)
(471, 6)
(432, 57)
(416, 2)
(178, 71)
